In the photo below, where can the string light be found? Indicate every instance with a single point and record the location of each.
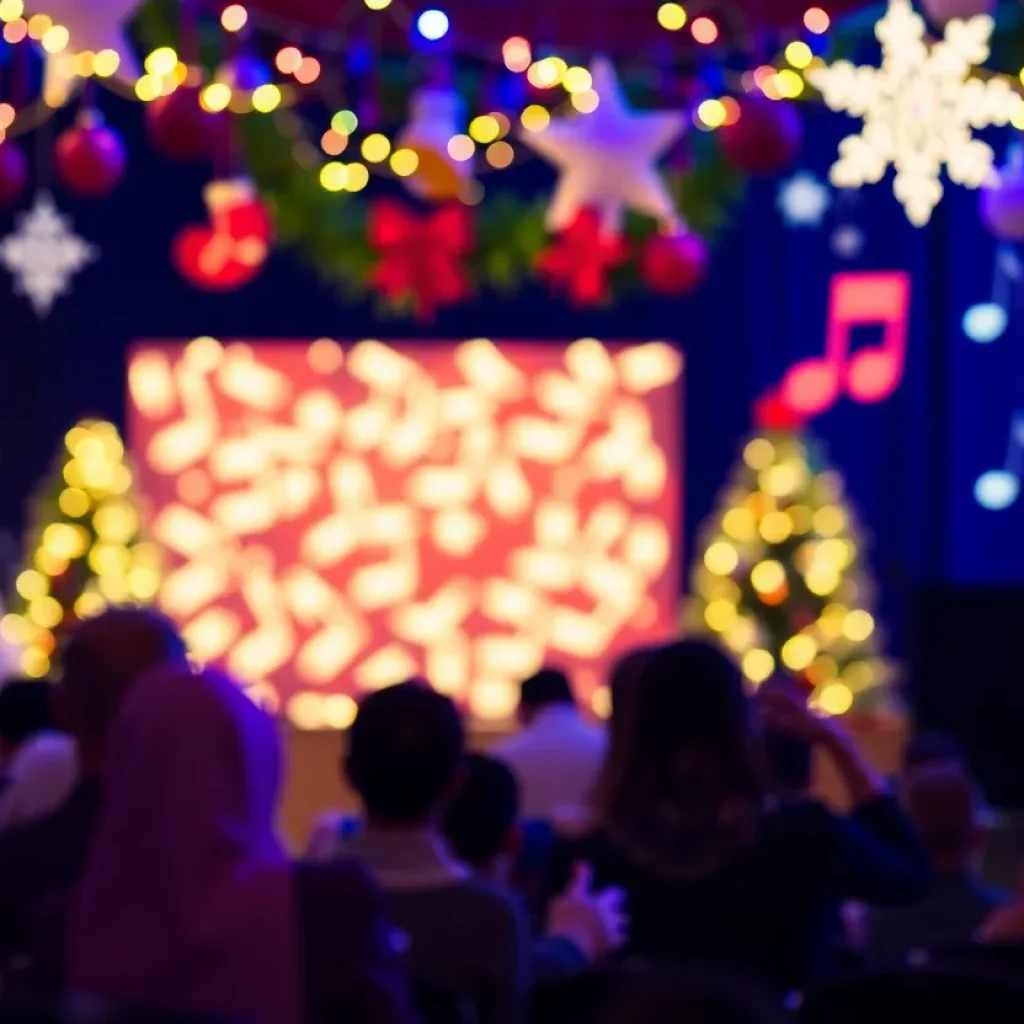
(704, 31)
(234, 17)
(56, 39)
(39, 25)
(11, 10)
(345, 122)
(266, 98)
(333, 143)
(585, 102)
(798, 652)
(106, 63)
(375, 148)
(433, 24)
(535, 118)
(500, 155)
(334, 176)
(546, 73)
(835, 699)
(288, 60)
(404, 162)
(721, 558)
(577, 79)
(799, 54)
(215, 97)
(15, 31)
(461, 148)
(671, 16)
(788, 84)
(516, 53)
(308, 71)
(147, 88)
(484, 129)
(711, 113)
(817, 21)
(358, 177)
(758, 665)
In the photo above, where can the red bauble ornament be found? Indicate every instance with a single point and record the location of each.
(766, 137)
(674, 264)
(230, 251)
(13, 173)
(772, 413)
(90, 157)
(180, 128)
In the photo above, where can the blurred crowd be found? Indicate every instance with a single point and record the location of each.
(672, 864)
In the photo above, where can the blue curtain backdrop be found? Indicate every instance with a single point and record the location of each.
(910, 463)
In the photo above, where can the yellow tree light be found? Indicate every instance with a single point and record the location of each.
(779, 581)
(919, 108)
(85, 551)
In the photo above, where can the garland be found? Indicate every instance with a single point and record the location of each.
(331, 233)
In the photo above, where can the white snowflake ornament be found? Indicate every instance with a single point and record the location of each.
(44, 254)
(803, 200)
(919, 108)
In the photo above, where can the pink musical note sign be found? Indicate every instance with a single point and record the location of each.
(812, 386)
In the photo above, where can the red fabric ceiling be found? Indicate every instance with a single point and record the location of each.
(608, 25)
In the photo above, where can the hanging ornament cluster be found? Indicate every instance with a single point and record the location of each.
(90, 157)
(435, 115)
(229, 251)
(179, 126)
(13, 172)
(674, 264)
(765, 139)
(1002, 198)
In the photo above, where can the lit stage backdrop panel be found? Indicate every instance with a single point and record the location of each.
(338, 517)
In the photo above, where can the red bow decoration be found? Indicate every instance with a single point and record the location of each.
(420, 257)
(579, 260)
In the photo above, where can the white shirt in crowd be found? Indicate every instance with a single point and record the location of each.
(39, 778)
(556, 758)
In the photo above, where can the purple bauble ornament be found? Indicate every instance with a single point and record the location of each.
(1002, 198)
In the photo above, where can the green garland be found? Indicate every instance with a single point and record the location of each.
(328, 230)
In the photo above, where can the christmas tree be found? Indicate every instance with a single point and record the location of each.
(780, 579)
(85, 548)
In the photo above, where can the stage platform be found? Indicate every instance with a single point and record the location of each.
(314, 785)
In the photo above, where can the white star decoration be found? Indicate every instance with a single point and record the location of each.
(607, 158)
(803, 200)
(918, 109)
(93, 26)
(44, 254)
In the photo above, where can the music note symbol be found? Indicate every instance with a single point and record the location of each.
(987, 321)
(870, 375)
(998, 489)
